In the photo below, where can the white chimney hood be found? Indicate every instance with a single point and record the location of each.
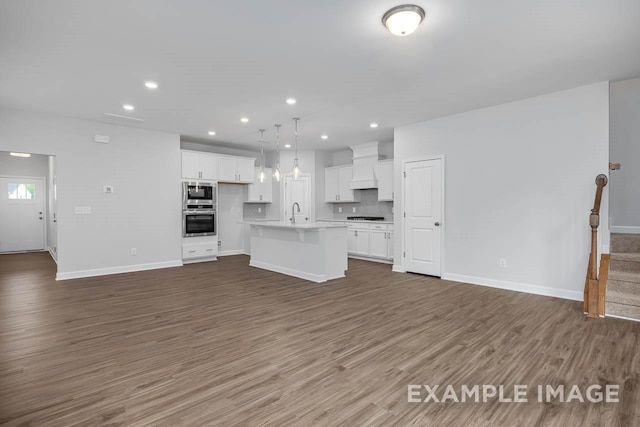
(365, 159)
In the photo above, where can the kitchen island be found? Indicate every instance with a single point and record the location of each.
(312, 251)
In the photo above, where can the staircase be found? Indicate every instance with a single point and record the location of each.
(623, 285)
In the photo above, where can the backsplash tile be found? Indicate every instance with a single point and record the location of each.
(368, 206)
(250, 211)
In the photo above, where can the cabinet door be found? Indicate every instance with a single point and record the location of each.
(390, 245)
(255, 189)
(209, 167)
(190, 165)
(345, 194)
(384, 172)
(245, 168)
(363, 242)
(378, 244)
(227, 169)
(331, 187)
(352, 241)
(267, 185)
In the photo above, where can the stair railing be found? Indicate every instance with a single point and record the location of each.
(593, 306)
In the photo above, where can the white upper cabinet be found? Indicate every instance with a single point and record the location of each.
(261, 192)
(199, 166)
(384, 174)
(331, 186)
(337, 181)
(236, 169)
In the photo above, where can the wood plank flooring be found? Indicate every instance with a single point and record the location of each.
(225, 344)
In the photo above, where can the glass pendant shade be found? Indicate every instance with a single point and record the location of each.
(262, 175)
(276, 169)
(296, 167)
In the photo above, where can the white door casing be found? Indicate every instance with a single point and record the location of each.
(22, 214)
(423, 203)
(297, 190)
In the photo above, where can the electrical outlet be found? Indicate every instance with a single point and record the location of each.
(134, 252)
(339, 209)
(354, 209)
(503, 263)
(259, 210)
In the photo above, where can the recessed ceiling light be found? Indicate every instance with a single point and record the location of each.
(244, 120)
(373, 125)
(128, 107)
(403, 20)
(325, 137)
(291, 101)
(211, 133)
(287, 145)
(151, 85)
(20, 154)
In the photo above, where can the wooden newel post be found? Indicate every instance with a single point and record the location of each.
(592, 301)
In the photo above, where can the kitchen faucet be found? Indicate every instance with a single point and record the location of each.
(293, 213)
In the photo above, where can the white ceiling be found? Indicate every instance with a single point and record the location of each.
(216, 61)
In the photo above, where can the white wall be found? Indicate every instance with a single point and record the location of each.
(144, 212)
(519, 185)
(625, 149)
(34, 166)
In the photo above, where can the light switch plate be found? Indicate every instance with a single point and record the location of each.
(108, 189)
(83, 210)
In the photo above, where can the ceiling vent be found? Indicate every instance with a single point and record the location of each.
(365, 159)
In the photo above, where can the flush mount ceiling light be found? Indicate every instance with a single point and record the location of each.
(244, 120)
(20, 154)
(291, 101)
(151, 85)
(211, 133)
(324, 136)
(287, 145)
(404, 19)
(373, 125)
(128, 107)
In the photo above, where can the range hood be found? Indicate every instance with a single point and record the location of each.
(365, 159)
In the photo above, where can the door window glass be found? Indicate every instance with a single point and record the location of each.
(22, 191)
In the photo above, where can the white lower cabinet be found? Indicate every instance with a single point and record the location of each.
(370, 240)
(199, 249)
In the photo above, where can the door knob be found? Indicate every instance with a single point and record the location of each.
(437, 224)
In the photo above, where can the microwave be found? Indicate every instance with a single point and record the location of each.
(197, 194)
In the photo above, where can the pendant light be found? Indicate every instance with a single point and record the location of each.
(262, 175)
(296, 166)
(276, 170)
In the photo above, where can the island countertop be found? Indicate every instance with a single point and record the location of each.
(300, 226)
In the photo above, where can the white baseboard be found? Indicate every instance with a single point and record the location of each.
(515, 286)
(398, 269)
(231, 252)
(625, 230)
(117, 270)
(53, 255)
(621, 317)
(318, 278)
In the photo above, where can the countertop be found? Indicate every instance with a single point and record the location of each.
(287, 224)
(353, 221)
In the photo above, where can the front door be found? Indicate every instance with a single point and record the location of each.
(21, 214)
(423, 201)
(297, 191)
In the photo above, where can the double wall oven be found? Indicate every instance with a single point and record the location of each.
(199, 209)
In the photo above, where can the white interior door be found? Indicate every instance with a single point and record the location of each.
(297, 190)
(423, 203)
(22, 215)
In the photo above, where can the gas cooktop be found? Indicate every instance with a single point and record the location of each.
(365, 218)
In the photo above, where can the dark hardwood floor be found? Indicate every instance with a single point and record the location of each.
(225, 344)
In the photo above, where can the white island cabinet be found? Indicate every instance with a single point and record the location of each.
(313, 251)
